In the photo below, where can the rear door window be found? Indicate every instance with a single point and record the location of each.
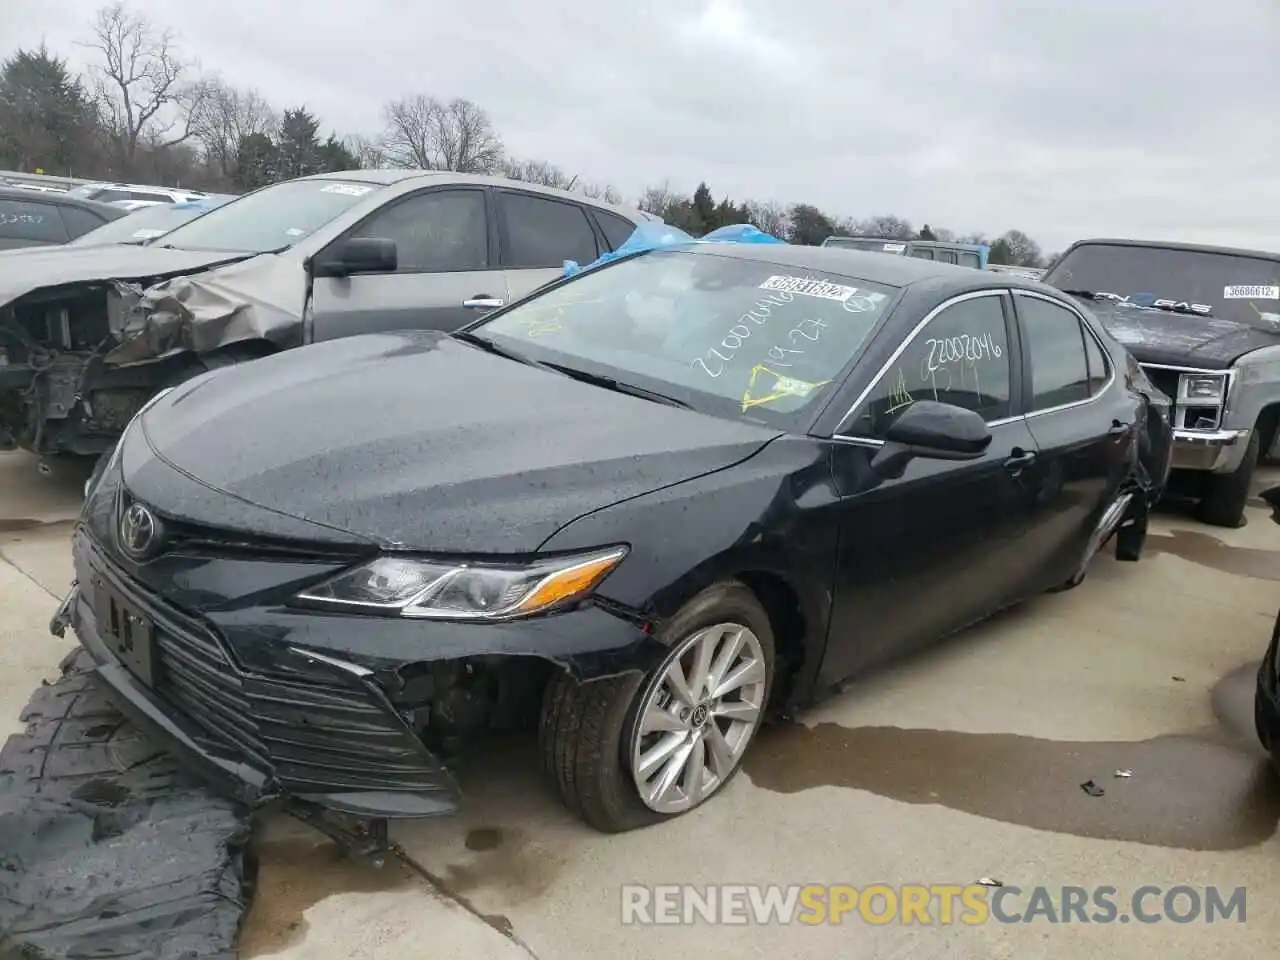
(39, 222)
(616, 229)
(541, 232)
(1056, 348)
(969, 259)
(922, 253)
(947, 256)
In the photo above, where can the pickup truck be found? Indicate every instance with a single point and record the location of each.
(1204, 324)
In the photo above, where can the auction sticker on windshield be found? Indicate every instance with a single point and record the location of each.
(346, 189)
(808, 287)
(1250, 292)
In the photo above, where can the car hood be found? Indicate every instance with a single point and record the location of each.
(24, 271)
(1155, 336)
(415, 440)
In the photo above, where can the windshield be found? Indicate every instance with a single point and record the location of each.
(722, 334)
(1240, 288)
(141, 225)
(879, 246)
(273, 218)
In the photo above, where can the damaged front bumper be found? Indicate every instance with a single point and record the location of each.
(317, 726)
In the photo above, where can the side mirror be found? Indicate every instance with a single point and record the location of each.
(934, 431)
(359, 255)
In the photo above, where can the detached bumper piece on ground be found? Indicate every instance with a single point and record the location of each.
(107, 848)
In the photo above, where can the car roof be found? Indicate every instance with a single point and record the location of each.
(61, 199)
(871, 266)
(1177, 245)
(408, 179)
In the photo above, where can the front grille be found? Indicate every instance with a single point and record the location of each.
(315, 736)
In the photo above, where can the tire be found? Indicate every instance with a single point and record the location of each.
(1226, 494)
(588, 732)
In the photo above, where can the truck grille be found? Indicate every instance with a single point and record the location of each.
(1186, 416)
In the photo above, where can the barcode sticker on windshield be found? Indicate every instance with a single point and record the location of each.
(808, 287)
(346, 189)
(1247, 292)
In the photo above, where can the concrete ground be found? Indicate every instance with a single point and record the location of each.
(963, 763)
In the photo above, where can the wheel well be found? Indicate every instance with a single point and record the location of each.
(782, 604)
(1268, 420)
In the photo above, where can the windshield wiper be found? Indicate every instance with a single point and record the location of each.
(1094, 294)
(490, 347)
(611, 384)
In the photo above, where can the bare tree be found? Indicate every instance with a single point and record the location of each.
(369, 152)
(224, 116)
(425, 133)
(542, 172)
(601, 191)
(769, 216)
(139, 83)
(887, 226)
(659, 199)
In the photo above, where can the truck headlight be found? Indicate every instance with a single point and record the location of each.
(1209, 387)
(463, 590)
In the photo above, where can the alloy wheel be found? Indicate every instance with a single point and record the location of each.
(697, 716)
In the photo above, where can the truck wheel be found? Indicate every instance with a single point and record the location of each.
(630, 751)
(1225, 494)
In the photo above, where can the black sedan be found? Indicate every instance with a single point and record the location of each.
(649, 505)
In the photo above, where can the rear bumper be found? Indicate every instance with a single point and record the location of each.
(1214, 451)
(325, 736)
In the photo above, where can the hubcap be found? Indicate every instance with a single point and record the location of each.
(697, 717)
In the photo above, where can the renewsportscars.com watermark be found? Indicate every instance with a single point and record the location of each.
(926, 904)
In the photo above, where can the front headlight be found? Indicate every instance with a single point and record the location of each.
(1202, 386)
(410, 587)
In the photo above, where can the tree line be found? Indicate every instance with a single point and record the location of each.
(145, 111)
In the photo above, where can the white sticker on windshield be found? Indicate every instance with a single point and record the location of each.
(147, 234)
(346, 189)
(1247, 292)
(894, 247)
(808, 287)
(294, 232)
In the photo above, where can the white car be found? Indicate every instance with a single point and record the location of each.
(133, 196)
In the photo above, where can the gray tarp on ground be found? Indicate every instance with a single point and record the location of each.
(106, 848)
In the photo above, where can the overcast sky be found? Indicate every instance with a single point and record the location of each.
(1145, 118)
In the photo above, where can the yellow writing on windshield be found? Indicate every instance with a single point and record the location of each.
(774, 386)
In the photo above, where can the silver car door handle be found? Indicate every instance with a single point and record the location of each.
(486, 302)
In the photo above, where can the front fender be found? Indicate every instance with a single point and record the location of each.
(775, 514)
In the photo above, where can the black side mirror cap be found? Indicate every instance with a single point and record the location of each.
(934, 431)
(359, 255)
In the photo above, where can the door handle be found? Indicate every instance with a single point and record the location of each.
(482, 301)
(1020, 460)
(1118, 428)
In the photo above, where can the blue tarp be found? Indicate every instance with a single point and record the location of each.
(656, 236)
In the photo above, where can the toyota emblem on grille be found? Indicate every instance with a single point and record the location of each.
(139, 531)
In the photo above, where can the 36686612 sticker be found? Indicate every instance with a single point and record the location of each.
(1245, 291)
(809, 287)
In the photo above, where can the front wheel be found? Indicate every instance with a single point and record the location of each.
(1226, 494)
(630, 751)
